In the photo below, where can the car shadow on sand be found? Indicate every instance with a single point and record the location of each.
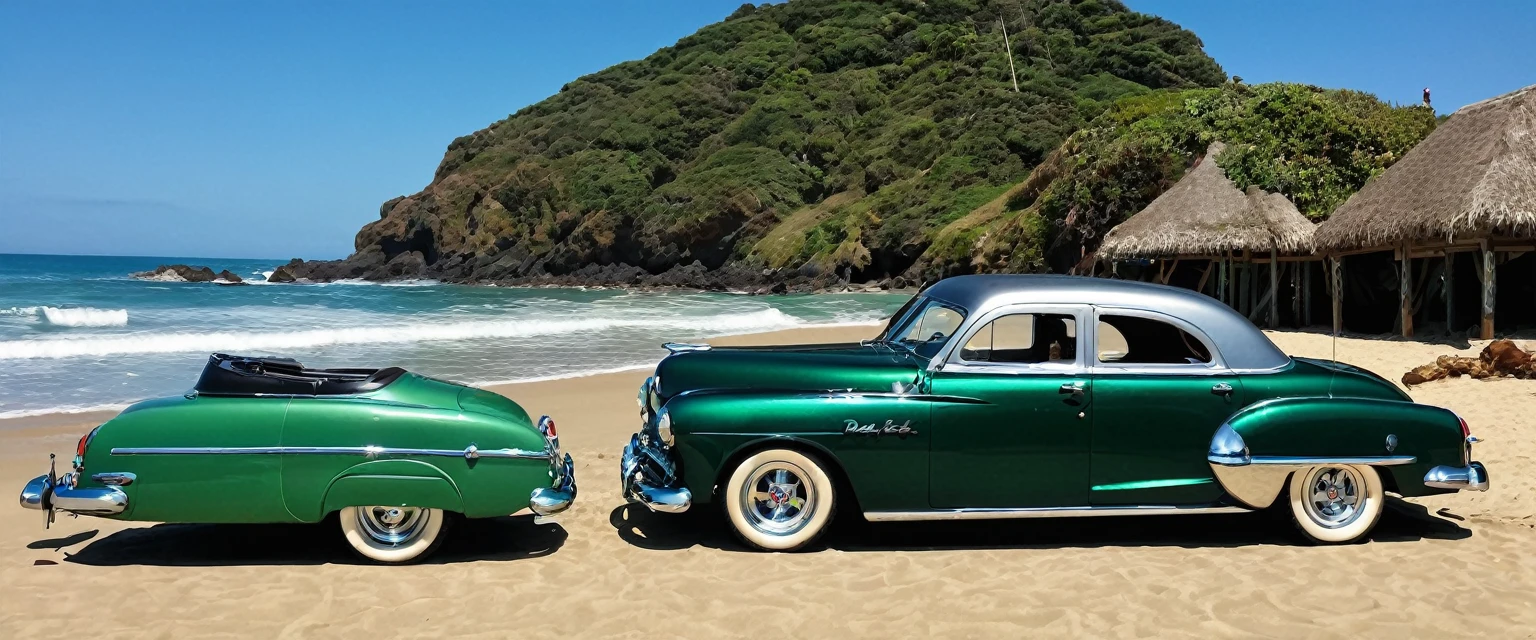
(492, 539)
(1401, 522)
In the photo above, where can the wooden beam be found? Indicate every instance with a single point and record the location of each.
(1259, 305)
(1405, 291)
(1306, 294)
(1171, 268)
(1337, 280)
(1447, 280)
(1490, 290)
(1205, 275)
(1296, 296)
(1274, 290)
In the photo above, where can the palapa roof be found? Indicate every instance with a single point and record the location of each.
(1475, 174)
(1205, 214)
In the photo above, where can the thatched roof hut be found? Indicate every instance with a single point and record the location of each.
(1205, 214)
(1474, 175)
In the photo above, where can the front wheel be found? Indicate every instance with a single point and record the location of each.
(393, 535)
(779, 500)
(1336, 504)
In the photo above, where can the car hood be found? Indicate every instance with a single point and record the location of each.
(856, 366)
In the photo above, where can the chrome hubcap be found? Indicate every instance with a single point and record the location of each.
(1334, 496)
(393, 525)
(776, 499)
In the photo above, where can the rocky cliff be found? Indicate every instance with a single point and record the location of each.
(799, 144)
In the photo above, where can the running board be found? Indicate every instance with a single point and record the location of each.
(1045, 512)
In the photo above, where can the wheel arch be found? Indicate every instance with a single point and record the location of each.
(392, 483)
(842, 485)
(1256, 451)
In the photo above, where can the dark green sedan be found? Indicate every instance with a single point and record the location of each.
(1036, 396)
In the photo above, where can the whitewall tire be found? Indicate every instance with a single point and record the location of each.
(393, 535)
(1336, 504)
(779, 500)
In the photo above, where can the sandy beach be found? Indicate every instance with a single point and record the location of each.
(1461, 565)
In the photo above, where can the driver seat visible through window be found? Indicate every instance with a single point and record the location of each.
(1024, 338)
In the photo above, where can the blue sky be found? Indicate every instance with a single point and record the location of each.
(276, 129)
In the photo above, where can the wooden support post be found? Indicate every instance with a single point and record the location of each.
(1274, 289)
(1447, 278)
(1243, 304)
(1296, 295)
(1205, 276)
(1306, 294)
(1405, 292)
(1490, 290)
(1337, 267)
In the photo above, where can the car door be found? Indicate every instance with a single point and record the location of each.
(1011, 424)
(1160, 393)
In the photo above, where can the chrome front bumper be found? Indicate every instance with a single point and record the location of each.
(45, 494)
(648, 476)
(1473, 477)
(549, 502)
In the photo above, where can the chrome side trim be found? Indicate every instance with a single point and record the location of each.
(1045, 512)
(679, 347)
(371, 451)
(1375, 461)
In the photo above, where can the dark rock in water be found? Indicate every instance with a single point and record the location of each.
(282, 274)
(177, 273)
(229, 278)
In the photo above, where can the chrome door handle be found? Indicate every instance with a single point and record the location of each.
(1221, 389)
(1072, 387)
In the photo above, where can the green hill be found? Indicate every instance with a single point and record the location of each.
(795, 141)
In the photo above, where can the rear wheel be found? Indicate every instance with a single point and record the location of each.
(779, 500)
(1336, 504)
(393, 535)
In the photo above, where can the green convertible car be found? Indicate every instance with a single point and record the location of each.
(395, 454)
(1036, 396)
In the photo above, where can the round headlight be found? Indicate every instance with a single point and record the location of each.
(664, 427)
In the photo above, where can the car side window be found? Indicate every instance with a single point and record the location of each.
(1126, 339)
(1024, 338)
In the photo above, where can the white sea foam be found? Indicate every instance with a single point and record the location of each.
(85, 317)
(27, 413)
(585, 373)
(272, 341)
(72, 316)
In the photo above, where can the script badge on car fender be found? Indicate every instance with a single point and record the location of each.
(890, 428)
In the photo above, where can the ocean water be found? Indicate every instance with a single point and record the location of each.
(77, 333)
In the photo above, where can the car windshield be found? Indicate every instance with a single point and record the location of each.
(925, 327)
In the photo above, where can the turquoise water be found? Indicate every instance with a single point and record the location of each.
(77, 333)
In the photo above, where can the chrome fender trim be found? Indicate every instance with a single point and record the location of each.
(1046, 512)
(1256, 481)
(469, 453)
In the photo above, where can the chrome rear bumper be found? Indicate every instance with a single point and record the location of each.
(647, 476)
(548, 502)
(43, 494)
(1473, 477)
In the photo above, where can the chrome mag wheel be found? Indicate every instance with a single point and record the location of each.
(777, 500)
(1334, 495)
(393, 525)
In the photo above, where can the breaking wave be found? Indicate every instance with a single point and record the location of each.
(273, 341)
(72, 316)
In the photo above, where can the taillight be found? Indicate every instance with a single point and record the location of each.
(85, 441)
(548, 427)
(1465, 431)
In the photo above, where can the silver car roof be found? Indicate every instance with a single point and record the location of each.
(1241, 344)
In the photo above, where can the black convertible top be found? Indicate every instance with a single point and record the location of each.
(227, 375)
